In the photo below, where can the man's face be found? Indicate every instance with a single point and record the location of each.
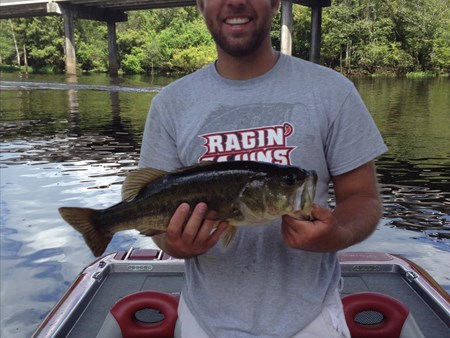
(238, 26)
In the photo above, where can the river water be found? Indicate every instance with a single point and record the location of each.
(70, 141)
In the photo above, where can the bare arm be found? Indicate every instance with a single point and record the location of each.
(357, 212)
(190, 235)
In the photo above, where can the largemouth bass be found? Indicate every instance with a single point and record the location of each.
(240, 192)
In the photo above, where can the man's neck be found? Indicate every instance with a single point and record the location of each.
(247, 67)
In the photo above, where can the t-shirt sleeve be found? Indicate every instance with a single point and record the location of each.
(353, 138)
(159, 149)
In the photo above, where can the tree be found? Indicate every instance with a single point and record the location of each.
(440, 54)
(7, 48)
(166, 39)
(363, 36)
(44, 41)
(91, 45)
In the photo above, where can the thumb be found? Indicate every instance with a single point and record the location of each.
(321, 213)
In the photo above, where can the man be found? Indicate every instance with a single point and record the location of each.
(280, 279)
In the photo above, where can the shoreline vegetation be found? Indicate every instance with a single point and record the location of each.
(364, 37)
(387, 74)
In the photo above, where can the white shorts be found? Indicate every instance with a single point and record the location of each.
(329, 323)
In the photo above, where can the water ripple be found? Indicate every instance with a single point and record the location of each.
(60, 147)
(15, 85)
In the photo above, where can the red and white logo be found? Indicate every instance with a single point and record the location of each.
(265, 144)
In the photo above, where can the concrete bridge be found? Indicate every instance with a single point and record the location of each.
(113, 11)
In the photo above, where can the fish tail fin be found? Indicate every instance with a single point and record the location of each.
(83, 220)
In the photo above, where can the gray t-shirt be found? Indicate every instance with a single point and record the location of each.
(298, 113)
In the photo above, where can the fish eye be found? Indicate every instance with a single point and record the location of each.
(289, 179)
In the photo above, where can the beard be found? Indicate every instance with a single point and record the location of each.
(239, 46)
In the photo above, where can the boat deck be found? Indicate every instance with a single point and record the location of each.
(394, 285)
(102, 284)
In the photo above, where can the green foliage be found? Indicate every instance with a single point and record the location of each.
(91, 45)
(186, 44)
(419, 75)
(44, 41)
(398, 36)
(9, 69)
(440, 55)
(192, 58)
(301, 34)
(378, 58)
(7, 49)
(164, 39)
(132, 63)
(90, 58)
(440, 58)
(358, 36)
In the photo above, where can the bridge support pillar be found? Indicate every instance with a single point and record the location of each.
(71, 60)
(112, 46)
(286, 27)
(316, 34)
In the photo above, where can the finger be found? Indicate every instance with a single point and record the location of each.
(191, 229)
(211, 215)
(288, 228)
(175, 227)
(296, 232)
(205, 230)
(214, 237)
(321, 213)
(294, 225)
(289, 234)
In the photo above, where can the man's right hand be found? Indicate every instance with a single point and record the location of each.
(190, 236)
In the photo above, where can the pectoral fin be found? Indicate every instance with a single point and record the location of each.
(229, 235)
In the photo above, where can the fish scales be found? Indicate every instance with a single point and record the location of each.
(156, 205)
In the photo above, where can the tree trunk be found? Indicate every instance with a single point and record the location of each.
(15, 42)
(25, 59)
(348, 57)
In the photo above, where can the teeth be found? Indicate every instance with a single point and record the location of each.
(237, 21)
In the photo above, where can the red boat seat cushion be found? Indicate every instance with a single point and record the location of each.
(124, 311)
(374, 315)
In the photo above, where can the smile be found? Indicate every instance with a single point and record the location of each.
(237, 20)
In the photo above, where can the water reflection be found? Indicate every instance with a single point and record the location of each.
(72, 84)
(416, 198)
(413, 116)
(73, 145)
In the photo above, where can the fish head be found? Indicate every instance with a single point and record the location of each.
(290, 191)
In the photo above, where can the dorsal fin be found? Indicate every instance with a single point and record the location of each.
(137, 179)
